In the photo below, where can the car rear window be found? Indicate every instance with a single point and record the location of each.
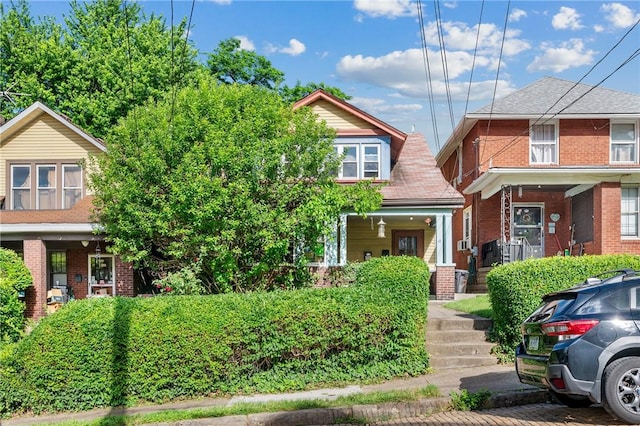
(550, 307)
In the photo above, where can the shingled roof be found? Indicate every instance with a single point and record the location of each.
(81, 212)
(416, 180)
(551, 95)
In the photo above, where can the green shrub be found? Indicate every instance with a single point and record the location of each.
(14, 277)
(515, 289)
(120, 351)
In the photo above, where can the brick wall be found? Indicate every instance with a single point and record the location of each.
(35, 258)
(445, 283)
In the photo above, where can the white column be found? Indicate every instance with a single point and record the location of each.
(342, 226)
(444, 239)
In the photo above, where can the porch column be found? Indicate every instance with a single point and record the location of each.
(342, 234)
(35, 258)
(445, 268)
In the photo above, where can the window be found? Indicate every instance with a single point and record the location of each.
(543, 144)
(466, 225)
(72, 185)
(359, 161)
(58, 269)
(46, 199)
(20, 187)
(629, 212)
(102, 275)
(42, 190)
(623, 143)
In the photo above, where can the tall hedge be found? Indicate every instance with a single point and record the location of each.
(14, 277)
(103, 352)
(515, 289)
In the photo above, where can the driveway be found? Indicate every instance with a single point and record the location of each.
(529, 415)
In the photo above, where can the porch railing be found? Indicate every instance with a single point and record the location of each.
(497, 251)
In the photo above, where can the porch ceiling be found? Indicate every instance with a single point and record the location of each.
(572, 180)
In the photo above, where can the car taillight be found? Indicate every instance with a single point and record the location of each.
(569, 329)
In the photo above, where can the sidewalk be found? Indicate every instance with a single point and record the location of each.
(500, 380)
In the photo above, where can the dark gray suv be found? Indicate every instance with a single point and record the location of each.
(583, 345)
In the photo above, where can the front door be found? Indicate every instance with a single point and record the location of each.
(408, 242)
(528, 229)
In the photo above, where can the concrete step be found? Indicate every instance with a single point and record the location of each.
(458, 324)
(441, 363)
(446, 337)
(438, 350)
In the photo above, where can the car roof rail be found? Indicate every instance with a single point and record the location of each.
(598, 278)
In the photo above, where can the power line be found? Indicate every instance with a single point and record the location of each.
(425, 60)
(443, 58)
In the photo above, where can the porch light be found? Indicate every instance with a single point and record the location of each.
(84, 243)
(98, 250)
(381, 225)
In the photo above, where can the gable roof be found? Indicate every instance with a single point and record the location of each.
(33, 112)
(397, 137)
(416, 180)
(548, 97)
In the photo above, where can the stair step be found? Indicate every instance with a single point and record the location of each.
(462, 362)
(460, 349)
(455, 336)
(471, 323)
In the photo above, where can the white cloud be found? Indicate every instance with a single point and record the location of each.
(598, 28)
(451, 5)
(516, 15)
(380, 106)
(620, 15)
(245, 42)
(404, 72)
(221, 2)
(386, 8)
(567, 18)
(295, 48)
(458, 35)
(569, 54)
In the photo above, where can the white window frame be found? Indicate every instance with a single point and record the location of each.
(364, 160)
(46, 188)
(340, 148)
(96, 285)
(360, 162)
(543, 143)
(467, 225)
(66, 187)
(633, 143)
(630, 209)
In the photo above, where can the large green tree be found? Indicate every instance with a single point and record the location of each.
(227, 177)
(108, 58)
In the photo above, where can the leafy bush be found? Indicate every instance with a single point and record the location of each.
(515, 289)
(14, 277)
(120, 351)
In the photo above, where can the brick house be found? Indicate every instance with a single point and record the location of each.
(45, 209)
(418, 204)
(551, 169)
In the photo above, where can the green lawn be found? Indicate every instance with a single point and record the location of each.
(479, 305)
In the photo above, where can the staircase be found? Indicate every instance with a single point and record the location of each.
(457, 340)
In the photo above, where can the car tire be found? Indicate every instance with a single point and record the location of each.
(571, 401)
(621, 389)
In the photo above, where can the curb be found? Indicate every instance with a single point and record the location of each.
(364, 413)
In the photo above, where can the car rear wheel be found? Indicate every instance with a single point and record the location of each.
(571, 401)
(621, 389)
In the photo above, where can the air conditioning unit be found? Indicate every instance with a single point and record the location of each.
(463, 245)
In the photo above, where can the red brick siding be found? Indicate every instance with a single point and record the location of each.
(77, 264)
(609, 209)
(445, 283)
(35, 258)
(124, 278)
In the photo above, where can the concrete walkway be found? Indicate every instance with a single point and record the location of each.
(500, 380)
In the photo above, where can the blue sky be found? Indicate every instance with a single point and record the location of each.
(372, 49)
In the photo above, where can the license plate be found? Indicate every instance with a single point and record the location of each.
(534, 343)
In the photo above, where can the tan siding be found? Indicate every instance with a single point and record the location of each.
(338, 118)
(361, 238)
(43, 139)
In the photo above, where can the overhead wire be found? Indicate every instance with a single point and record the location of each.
(426, 64)
(631, 57)
(443, 59)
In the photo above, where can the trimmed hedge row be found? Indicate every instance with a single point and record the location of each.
(122, 351)
(14, 277)
(515, 289)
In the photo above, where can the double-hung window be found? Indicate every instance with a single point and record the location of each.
(543, 143)
(45, 186)
(624, 143)
(629, 212)
(359, 161)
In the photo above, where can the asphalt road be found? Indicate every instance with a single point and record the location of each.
(529, 415)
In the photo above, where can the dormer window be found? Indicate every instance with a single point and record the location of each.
(359, 161)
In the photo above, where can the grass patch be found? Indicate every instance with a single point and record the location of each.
(479, 305)
(168, 416)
